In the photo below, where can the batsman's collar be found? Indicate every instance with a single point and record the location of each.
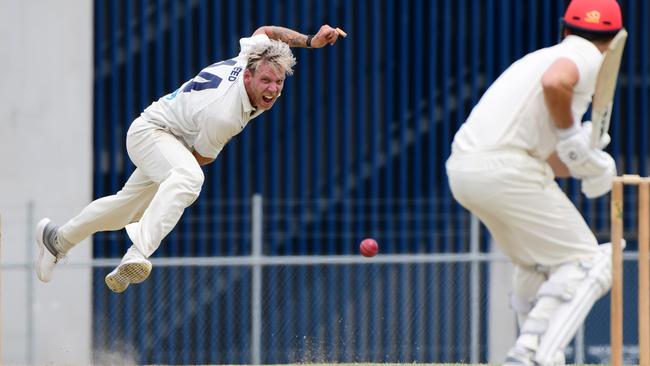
(583, 43)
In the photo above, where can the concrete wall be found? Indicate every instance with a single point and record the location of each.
(45, 158)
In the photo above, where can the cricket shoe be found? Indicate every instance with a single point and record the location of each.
(48, 255)
(519, 356)
(134, 268)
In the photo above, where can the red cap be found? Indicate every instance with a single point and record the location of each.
(599, 16)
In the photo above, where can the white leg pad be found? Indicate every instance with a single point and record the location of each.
(521, 306)
(526, 282)
(575, 303)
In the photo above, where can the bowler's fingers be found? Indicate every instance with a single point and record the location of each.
(334, 35)
(327, 35)
(331, 37)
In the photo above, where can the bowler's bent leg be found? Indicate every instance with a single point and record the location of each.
(112, 212)
(167, 161)
(107, 213)
(177, 191)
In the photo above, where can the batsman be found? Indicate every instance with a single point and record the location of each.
(526, 130)
(169, 143)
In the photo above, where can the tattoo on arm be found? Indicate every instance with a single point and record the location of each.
(288, 36)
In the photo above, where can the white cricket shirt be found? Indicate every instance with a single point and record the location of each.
(512, 113)
(208, 110)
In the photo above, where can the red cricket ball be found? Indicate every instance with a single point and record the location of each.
(368, 247)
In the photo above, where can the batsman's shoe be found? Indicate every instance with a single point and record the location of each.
(47, 255)
(519, 356)
(134, 268)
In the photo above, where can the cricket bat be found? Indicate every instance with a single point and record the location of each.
(603, 99)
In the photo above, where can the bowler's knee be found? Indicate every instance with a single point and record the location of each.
(188, 182)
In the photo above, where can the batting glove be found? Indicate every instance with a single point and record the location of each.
(582, 160)
(586, 128)
(597, 186)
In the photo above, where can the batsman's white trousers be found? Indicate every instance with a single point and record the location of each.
(516, 197)
(167, 179)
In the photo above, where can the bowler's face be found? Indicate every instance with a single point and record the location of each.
(264, 85)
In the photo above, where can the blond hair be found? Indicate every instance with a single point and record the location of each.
(277, 53)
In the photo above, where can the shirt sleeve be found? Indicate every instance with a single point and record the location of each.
(246, 44)
(588, 68)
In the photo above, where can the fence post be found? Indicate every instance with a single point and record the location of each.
(475, 249)
(256, 298)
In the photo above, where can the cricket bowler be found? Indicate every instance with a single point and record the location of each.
(170, 141)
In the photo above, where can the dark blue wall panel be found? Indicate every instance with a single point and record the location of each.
(354, 148)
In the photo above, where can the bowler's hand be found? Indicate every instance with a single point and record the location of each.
(202, 160)
(326, 35)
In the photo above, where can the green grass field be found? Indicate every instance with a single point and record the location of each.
(355, 364)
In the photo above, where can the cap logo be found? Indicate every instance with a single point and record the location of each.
(592, 16)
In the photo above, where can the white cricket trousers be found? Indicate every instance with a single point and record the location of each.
(167, 179)
(516, 197)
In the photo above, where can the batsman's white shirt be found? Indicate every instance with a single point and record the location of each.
(512, 112)
(208, 110)
(497, 168)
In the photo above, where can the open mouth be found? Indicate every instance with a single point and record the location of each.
(267, 99)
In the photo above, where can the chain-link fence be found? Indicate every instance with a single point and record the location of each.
(402, 312)
(215, 314)
(263, 306)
